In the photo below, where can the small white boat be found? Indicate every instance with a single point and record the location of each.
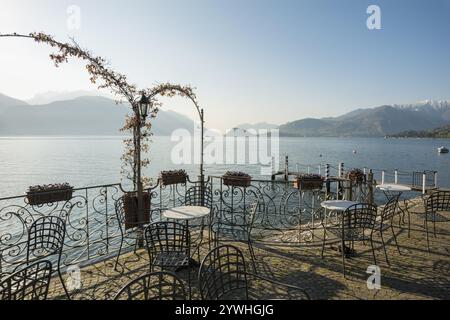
(443, 150)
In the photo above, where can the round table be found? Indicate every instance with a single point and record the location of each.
(391, 190)
(186, 213)
(338, 205)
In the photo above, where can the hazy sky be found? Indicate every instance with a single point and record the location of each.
(251, 60)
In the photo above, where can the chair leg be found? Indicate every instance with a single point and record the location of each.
(190, 284)
(384, 248)
(252, 254)
(324, 239)
(62, 280)
(409, 224)
(395, 239)
(343, 258)
(373, 251)
(118, 255)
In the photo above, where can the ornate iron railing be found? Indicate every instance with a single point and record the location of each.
(285, 215)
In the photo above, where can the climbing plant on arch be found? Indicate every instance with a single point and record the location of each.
(106, 78)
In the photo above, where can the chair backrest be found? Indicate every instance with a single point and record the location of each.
(390, 209)
(438, 201)
(222, 272)
(199, 196)
(361, 216)
(120, 211)
(242, 219)
(29, 283)
(46, 236)
(167, 236)
(154, 286)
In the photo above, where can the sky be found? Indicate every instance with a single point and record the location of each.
(249, 60)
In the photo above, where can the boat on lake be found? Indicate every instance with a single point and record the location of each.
(443, 150)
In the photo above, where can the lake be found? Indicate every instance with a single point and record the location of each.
(88, 161)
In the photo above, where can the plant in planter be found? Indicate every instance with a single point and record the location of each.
(173, 177)
(130, 203)
(356, 176)
(38, 195)
(237, 179)
(308, 182)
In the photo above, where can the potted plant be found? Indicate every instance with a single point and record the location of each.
(42, 194)
(173, 177)
(237, 179)
(356, 176)
(308, 182)
(130, 203)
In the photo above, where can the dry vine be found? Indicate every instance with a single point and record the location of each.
(106, 78)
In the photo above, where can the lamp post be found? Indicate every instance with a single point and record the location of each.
(141, 114)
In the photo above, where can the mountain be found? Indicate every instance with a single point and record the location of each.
(375, 122)
(53, 96)
(257, 126)
(438, 133)
(6, 102)
(80, 116)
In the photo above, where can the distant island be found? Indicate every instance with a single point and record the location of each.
(439, 133)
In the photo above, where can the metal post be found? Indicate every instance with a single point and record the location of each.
(370, 186)
(382, 176)
(435, 179)
(320, 170)
(424, 183)
(327, 180)
(140, 207)
(396, 176)
(341, 170)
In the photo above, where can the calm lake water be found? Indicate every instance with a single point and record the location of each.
(89, 161)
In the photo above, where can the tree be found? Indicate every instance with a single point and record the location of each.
(102, 75)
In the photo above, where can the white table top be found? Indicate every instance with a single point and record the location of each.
(391, 187)
(338, 205)
(186, 213)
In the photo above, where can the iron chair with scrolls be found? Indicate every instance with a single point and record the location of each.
(231, 226)
(46, 238)
(357, 224)
(169, 247)
(223, 276)
(28, 283)
(154, 286)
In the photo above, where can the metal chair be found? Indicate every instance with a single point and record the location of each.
(236, 226)
(435, 204)
(200, 196)
(29, 283)
(120, 215)
(223, 276)
(387, 222)
(168, 246)
(355, 222)
(46, 238)
(153, 286)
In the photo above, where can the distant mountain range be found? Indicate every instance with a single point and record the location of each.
(87, 115)
(376, 122)
(66, 114)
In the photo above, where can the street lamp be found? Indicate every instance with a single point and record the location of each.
(144, 104)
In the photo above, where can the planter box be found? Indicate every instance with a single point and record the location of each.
(356, 177)
(243, 182)
(130, 202)
(36, 198)
(308, 184)
(168, 179)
